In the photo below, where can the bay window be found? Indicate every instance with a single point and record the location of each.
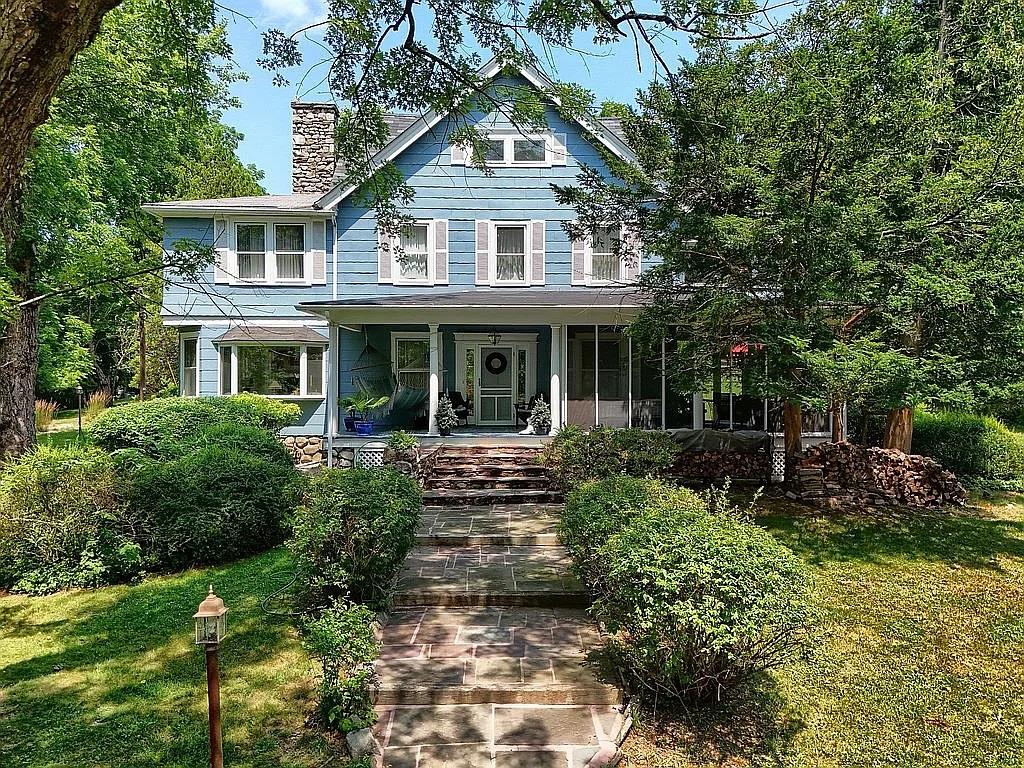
(274, 370)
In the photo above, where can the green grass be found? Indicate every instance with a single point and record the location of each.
(59, 439)
(112, 677)
(919, 662)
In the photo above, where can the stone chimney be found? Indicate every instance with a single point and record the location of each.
(313, 158)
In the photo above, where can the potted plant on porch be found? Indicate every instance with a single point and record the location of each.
(539, 421)
(362, 404)
(445, 419)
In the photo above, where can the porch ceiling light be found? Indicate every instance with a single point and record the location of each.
(495, 337)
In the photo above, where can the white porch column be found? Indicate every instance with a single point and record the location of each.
(435, 378)
(333, 358)
(556, 378)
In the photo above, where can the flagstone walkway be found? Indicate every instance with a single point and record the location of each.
(483, 660)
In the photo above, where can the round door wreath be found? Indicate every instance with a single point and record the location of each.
(496, 363)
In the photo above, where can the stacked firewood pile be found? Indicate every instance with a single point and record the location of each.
(849, 473)
(707, 465)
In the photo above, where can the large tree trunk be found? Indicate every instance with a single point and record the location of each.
(899, 429)
(838, 421)
(38, 41)
(19, 360)
(792, 427)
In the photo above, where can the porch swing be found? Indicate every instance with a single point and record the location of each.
(372, 373)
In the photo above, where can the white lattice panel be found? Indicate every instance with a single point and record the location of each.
(778, 466)
(370, 455)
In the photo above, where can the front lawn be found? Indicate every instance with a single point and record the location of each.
(920, 660)
(112, 677)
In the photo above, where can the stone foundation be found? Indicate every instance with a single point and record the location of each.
(313, 450)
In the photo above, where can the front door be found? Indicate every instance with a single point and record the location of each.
(494, 405)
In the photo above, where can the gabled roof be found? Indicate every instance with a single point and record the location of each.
(298, 204)
(606, 132)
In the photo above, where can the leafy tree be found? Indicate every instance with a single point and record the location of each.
(822, 196)
(137, 110)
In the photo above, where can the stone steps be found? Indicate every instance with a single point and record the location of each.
(490, 469)
(477, 496)
(514, 525)
(469, 482)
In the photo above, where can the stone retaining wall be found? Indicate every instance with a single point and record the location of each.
(308, 450)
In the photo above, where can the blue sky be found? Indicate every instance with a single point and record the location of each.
(265, 113)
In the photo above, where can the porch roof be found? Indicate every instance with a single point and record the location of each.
(605, 305)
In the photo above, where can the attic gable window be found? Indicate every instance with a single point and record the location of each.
(516, 150)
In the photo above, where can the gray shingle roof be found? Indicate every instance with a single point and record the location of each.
(256, 202)
(271, 335)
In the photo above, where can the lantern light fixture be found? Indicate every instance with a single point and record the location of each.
(495, 337)
(211, 624)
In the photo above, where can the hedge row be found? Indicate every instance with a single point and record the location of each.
(974, 447)
(695, 601)
(576, 456)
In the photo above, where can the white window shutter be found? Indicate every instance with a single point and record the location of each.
(385, 250)
(558, 151)
(223, 261)
(579, 261)
(483, 252)
(440, 251)
(537, 252)
(458, 154)
(317, 255)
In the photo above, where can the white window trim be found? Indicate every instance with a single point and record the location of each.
(397, 336)
(182, 338)
(396, 267)
(270, 225)
(509, 138)
(588, 263)
(304, 280)
(492, 256)
(303, 368)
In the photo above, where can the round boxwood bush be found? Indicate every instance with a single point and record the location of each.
(576, 456)
(212, 505)
(972, 446)
(352, 534)
(61, 522)
(696, 603)
(151, 424)
(597, 510)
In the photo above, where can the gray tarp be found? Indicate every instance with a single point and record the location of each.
(721, 441)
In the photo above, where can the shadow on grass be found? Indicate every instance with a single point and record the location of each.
(971, 537)
(118, 680)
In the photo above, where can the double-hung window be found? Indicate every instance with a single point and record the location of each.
(605, 261)
(251, 240)
(290, 250)
(275, 370)
(411, 355)
(412, 262)
(189, 366)
(510, 253)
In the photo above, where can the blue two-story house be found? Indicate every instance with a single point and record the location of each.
(482, 296)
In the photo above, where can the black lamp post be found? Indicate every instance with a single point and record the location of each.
(78, 389)
(211, 626)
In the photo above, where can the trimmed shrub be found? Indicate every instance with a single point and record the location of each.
(61, 523)
(352, 533)
(212, 505)
(695, 602)
(149, 425)
(576, 456)
(342, 640)
(254, 441)
(597, 510)
(974, 447)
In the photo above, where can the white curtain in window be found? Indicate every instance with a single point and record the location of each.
(290, 245)
(606, 262)
(414, 251)
(510, 263)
